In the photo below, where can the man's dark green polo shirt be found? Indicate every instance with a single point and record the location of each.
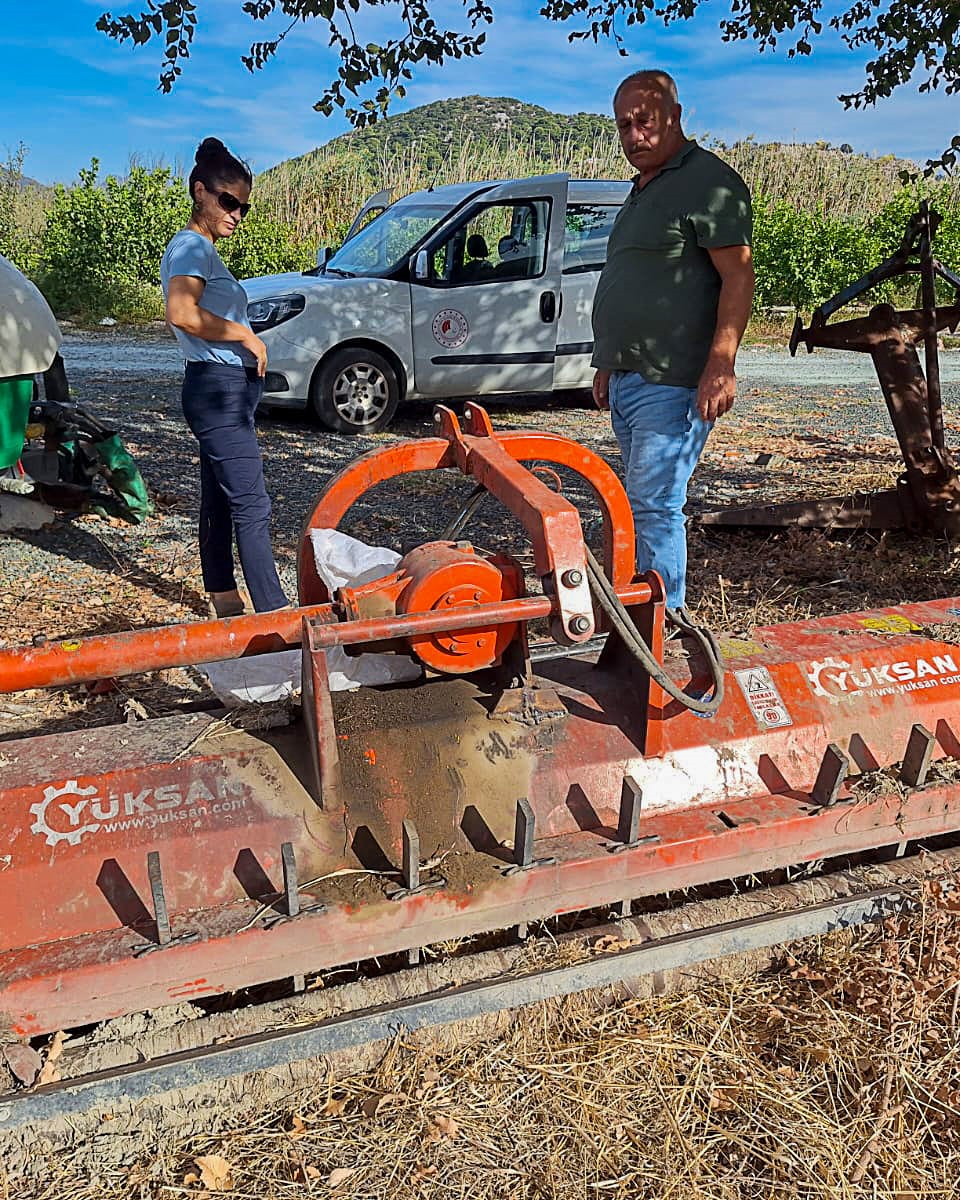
(655, 310)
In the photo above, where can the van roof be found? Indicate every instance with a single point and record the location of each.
(453, 194)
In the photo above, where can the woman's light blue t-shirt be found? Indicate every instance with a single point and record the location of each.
(190, 253)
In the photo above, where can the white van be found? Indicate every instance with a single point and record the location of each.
(463, 290)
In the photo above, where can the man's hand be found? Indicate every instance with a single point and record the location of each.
(717, 389)
(601, 389)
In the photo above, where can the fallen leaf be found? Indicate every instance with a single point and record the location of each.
(304, 1172)
(299, 1127)
(216, 1174)
(372, 1105)
(447, 1126)
(49, 1072)
(421, 1173)
(339, 1175)
(334, 1107)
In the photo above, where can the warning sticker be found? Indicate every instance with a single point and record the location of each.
(761, 694)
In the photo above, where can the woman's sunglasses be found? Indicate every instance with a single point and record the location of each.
(229, 203)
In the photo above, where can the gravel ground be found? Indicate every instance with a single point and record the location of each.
(806, 427)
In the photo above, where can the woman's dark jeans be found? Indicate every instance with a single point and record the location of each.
(219, 402)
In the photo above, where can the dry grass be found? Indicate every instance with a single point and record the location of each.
(319, 193)
(836, 1078)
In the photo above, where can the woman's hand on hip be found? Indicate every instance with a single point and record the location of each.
(257, 348)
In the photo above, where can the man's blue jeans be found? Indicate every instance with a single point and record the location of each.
(661, 436)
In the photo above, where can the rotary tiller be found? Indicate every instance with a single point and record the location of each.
(180, 858)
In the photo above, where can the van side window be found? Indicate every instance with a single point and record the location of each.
(499, 242)
(586, 230)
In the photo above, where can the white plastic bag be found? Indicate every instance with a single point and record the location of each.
(341, 561)
(261, 679)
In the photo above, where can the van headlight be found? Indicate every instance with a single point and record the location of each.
(274, 310)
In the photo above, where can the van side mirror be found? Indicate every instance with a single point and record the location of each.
(324, 254)
(420, 266)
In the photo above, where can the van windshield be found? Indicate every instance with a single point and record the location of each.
(387, 240)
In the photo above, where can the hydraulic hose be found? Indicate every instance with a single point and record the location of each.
(609, 601)
(619, 618)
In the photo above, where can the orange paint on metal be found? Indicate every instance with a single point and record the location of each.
(119, 654)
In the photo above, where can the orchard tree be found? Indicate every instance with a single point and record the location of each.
(909, 39)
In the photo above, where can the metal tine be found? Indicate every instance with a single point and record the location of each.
(161, 915)
(916, 758)
(411, 856)
(523, 838)
(833, 771)
(631, 799)
(410, 869)
(628, 822)
(523, 835)
(291, 886)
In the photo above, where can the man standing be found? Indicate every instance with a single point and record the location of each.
(671, 307)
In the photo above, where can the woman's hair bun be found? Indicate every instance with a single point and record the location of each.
(215, 166)
(210, 147)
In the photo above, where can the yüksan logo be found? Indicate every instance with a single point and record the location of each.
(74, 830)
(836, 679)
(69, 813)
(450, 328)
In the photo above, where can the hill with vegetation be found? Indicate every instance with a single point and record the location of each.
(436, 131)
(482, 137)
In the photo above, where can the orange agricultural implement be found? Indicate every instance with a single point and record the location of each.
(927, 493)
(181, 858)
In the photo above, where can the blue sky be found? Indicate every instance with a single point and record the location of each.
(69, 94)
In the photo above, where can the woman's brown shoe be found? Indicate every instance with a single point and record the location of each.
(225, 604)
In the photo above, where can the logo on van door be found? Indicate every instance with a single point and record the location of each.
(450, 328)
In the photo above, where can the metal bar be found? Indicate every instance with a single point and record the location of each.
(916, 760)
(117, 654)
(479, 616)
(874, 510)
(928, 298)
(208, 1065)
(628, 823)
(889, 268)
(160, 912)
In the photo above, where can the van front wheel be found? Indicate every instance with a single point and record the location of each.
(355, 391)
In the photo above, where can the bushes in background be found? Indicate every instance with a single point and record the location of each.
(99, 250)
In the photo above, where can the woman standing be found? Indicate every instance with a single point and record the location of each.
(223, 382)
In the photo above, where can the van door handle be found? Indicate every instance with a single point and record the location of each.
(548, 307)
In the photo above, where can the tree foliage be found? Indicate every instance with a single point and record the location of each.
(909, 39)
(100, 248)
